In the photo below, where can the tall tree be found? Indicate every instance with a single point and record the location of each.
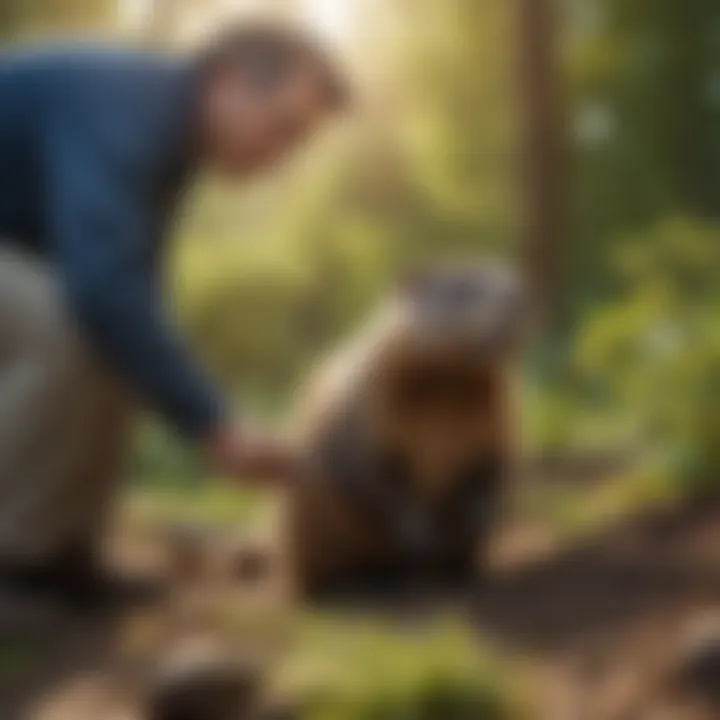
(544, 177)
(646, 102)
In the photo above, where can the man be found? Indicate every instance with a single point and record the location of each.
(96, 147)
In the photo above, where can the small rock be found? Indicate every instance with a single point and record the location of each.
(206, 686)
(698, 671)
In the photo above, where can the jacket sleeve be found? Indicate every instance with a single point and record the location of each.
(99, 226)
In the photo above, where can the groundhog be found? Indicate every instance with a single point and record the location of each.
(408, 437)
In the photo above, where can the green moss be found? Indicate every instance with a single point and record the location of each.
(212, 503)
(359, 669)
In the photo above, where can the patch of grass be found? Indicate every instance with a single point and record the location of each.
(571, 513)
(212, 503)
(364, 670)
(340, 666)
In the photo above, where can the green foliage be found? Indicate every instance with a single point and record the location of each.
(23, 18)
(161, 459)
(645, 112)
(158, 505)
(368, 671)
(656, 347)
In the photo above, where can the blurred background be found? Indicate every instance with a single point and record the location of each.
(581, 138)
(578, 138)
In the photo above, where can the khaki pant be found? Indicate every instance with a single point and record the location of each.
(64, 421)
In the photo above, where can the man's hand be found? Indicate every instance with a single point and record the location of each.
(244, 454)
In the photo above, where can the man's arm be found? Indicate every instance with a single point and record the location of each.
(102, 152)
(99, 225)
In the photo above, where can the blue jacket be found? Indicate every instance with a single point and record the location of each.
(95, 148)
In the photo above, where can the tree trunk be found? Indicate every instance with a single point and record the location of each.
(544, 162)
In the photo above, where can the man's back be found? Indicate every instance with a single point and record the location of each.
(94, 148)
(123, 102)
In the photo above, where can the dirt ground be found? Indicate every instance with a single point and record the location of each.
(602, 624)
(598, 627)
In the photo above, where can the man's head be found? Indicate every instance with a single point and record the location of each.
(266, 88)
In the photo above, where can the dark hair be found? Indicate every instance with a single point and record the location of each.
(268, 52)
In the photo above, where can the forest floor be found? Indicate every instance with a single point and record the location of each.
(604, 622)
(594, 622)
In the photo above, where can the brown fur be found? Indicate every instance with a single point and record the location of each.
(465, 415)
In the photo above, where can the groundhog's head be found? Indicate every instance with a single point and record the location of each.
(475, 311)
(438, 380)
